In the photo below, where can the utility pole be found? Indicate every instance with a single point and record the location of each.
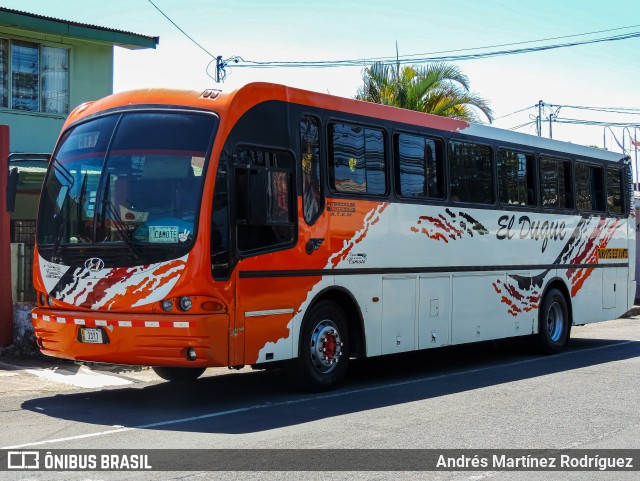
(539, 119)
(550, 126)
(219, 67)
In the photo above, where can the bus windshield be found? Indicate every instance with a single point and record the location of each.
(126, 183)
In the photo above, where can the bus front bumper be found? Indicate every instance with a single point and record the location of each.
(134, 339)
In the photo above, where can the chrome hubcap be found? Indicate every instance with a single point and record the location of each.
(555, 322)
(326, 346)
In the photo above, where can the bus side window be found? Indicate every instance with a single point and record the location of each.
(614, 191)
(310, 168)
(421, 166)
(516, 178)
(555, 183)
(589, 187)
(264, 199)
(471, 172)
(357, 162)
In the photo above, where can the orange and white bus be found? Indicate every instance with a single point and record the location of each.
(271, 225)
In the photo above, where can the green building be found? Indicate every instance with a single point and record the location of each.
(48, 66)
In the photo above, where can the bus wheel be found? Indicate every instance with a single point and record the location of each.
(553, 324)
(179, 374)
(323, 352)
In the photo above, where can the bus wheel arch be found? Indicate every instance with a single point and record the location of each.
(555, 318)
(329, 334)
(355, 321)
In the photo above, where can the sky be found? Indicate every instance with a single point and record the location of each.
(596, 75)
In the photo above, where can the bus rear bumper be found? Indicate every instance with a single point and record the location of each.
(134, 339)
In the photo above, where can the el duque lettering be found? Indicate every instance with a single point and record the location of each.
(526, 228)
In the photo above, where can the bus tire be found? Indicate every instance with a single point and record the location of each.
(554, 325)
(323, 349)
(179, 374)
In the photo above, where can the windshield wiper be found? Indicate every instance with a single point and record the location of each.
(120, 227)
(109, 208)
(62, 170)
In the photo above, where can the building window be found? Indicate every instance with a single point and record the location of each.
(4, 72)
(34, 77)
(54, 75)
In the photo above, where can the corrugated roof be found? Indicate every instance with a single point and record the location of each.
(32, 21)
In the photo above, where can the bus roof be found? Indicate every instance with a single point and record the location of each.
(231, 105)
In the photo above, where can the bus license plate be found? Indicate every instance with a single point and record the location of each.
(91, 335)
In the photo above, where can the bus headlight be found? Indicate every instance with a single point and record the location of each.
(42, 301)
(50, 301)
(185, 303)
(167, 305)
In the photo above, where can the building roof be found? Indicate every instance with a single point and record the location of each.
(40, 23)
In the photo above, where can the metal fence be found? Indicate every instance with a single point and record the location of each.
(23, 239)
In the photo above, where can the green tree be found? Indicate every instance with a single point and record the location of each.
(439, 89)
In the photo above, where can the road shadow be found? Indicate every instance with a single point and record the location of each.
(248, 402)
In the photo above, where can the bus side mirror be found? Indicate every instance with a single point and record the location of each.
(12, 188)
(258, 197)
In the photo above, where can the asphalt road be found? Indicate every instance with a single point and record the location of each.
(484, 396)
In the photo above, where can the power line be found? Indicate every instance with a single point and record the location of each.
(418, 60)
(220, 73)
(614, 110)
(183, 32)
(516, 43)
(516, 112)
(562, 120)
(531, 122)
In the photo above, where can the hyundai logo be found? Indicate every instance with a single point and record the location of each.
(94, 264)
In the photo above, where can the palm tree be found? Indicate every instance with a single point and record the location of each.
(439, 89)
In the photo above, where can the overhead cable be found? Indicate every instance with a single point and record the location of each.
(418, 60)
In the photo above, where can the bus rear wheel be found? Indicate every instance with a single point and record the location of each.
(179, 374)
(323, 349)
(554, 324)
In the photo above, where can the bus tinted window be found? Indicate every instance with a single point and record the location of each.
(614, 191)
(555, 183)
(264, 206)
(421, 166)
(357, 159)
(471, 170)
(589, 187)
(310, 159)
(516, 178)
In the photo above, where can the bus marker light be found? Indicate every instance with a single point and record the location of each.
(212, 306)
